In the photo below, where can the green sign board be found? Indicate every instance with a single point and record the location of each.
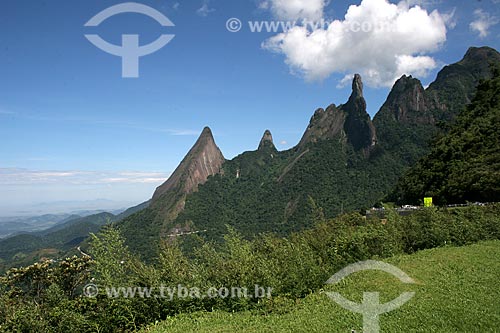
(428, 202)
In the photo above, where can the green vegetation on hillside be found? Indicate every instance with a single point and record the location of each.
(259, 192)
(269, 218)
(25, 249)
(463, 165)
(412, 116)
(456, 291)
(343, 163)
(47, 296)
(268, 197)
(58, 241)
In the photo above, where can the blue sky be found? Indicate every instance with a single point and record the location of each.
(72, 129)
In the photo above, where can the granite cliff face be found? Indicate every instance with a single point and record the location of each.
(358, 125)
(324, 124)
(155, 222)
(407, 102)
(344, 162)
(348, 121)
(409, 118)
(456, 84)
(203, 160)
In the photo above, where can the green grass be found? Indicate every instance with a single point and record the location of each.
(456, 290)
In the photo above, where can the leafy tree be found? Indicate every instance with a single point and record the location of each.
(463, 165)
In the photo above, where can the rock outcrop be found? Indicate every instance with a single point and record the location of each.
(349, 121)
(409, 118)
(358, 125)
(407, 102)
(203, 160)
(324, 124)
(266, 141)
(267, 190)
(456, 84)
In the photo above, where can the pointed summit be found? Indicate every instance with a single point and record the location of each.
(207, 132)
(203, 160)
(266, 141)
(349, 121)
(357, 87)
(358, 125)
(324, 124)
(407, 102)
(206, 137)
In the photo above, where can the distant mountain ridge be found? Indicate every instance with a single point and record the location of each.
(344, 161)
(14, 225)
(61, 239)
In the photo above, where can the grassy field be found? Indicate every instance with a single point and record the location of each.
(456, 290)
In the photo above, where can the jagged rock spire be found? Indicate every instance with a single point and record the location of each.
(358, 125)
(266, 141)
(349, 120)
(357, 87)
(203, 160)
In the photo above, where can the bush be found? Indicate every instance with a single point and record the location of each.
(47, 296)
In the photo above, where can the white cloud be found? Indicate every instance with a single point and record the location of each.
(482, 23)
(6, 112)
(450, 18)
(177, 132)
(17, 176)
(417, 66)
(283, 142)
(176, 6)
(205, 9)
(35, 192)
(115, 123)
(295, 9)
(377, 39)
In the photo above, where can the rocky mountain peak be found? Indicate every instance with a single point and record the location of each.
(206, 133)
(349, 120)
(407, 101)
(266, 141)
(358, 125)
(478, 55)
(203, 160)
(357, 87)
(324, 124)
(456, 84)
